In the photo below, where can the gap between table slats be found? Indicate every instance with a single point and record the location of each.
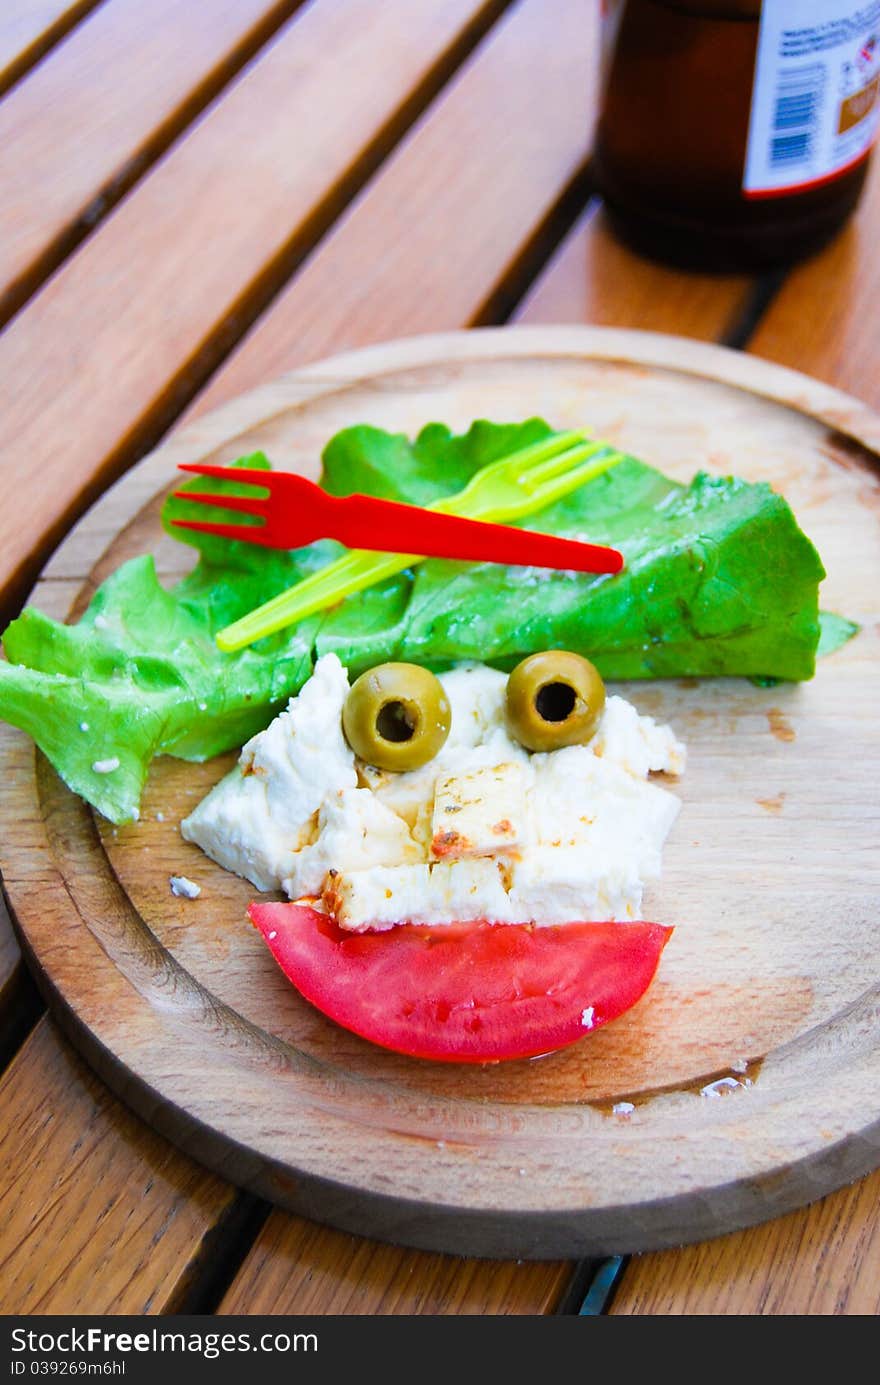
(174, 275)
(29, 28)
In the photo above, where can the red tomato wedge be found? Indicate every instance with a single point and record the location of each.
(464, 993)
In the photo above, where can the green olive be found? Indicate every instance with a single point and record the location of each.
(553, 699)
(396, 716)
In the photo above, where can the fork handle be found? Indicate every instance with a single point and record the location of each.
(385, 526)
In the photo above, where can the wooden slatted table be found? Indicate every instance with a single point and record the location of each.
(190, 208)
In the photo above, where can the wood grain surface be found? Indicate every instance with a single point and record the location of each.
(819, 1261)
(594, 278)
(821, 320)
(101, 1214)
(299, 1267)
(202, 239)
(99, 110)
(811, 1019)
(29, 28)
(434, 234)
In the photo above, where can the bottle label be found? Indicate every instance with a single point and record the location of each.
(816, 93)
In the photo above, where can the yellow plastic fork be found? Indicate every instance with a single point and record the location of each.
(516, 486)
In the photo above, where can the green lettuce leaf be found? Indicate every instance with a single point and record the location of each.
(719, 579)
(834, 632)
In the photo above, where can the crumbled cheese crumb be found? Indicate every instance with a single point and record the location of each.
(184, 888)
(587, 1017)
(160, 817)
(273, 935)
(716, 1089)
(101, 622)
(741, 1065)
(106, 766)
(84, 726)
(203, 706)
(622, 1108)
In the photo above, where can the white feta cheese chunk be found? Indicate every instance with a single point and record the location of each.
(477, 697)
(465, 891)
(600, 833)
(355, 831)
(303, 755)
(578, 799)
(479, 814)
(233, 826)
(376, 898)
(411, 793)
(636, 743)
(258, 817)
(564, 884)
(457, 891)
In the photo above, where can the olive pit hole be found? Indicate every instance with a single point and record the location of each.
(555, 701)
(396, 722)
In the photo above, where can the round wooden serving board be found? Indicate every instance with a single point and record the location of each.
(770, 874)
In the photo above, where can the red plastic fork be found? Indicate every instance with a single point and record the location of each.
(296, 511)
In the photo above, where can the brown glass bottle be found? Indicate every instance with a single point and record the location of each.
(672, 139)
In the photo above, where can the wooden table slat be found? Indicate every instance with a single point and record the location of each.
(431, 236)
(819, 1261)
(595, 279)
(299, 1267)
(29, 28)
(824, 319)
(99, 1214)
(145, 307)
(88, 121)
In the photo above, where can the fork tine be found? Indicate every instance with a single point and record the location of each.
(562, 462)
(245, 504)
(248, 475)
(247, 533)
(589, 468)
(547, 447)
